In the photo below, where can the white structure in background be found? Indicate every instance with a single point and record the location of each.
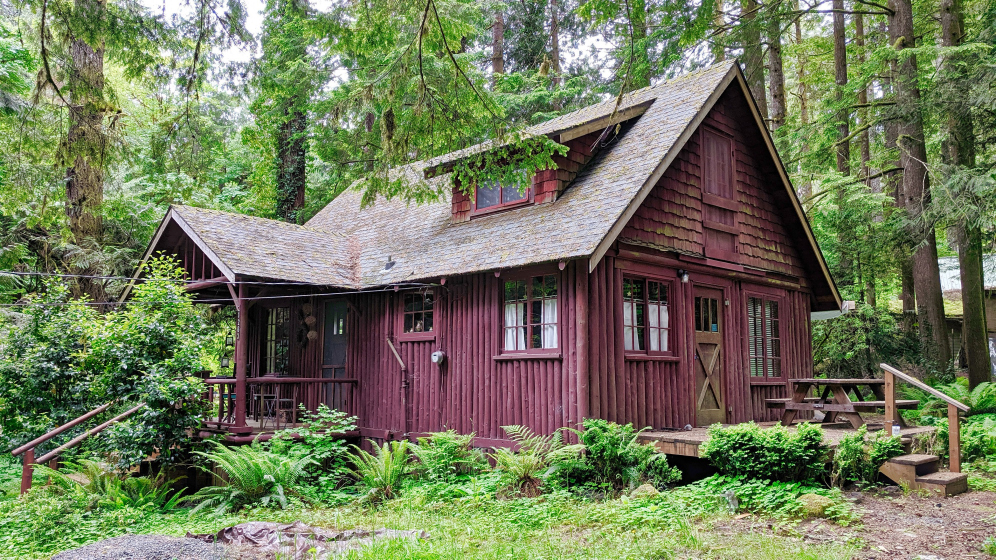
(951, 286)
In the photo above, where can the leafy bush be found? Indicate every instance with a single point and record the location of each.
(978, 438)
(320, 437)
(981, 400)
(254, 476)
(747, 450)
(383, 471)
(858, 458)
(148, 353)
(853, 344)
(523, 471)
(42, 382)
(448, 456)
(614, 459)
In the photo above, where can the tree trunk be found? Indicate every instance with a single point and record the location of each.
(750, 40)
(292, 160)
(291, 130)
(497, 48)
(776, 75)
(845, 236)
(864, 138)
(801, 91)
(718, 23)
(916, 188)
(86, 140)
(640, 72)
(555, 41)
(958, 149)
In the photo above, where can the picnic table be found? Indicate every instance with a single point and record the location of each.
(835, 400)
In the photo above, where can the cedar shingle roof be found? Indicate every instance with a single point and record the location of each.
(426, 243)
(263, 248)
(347, 246)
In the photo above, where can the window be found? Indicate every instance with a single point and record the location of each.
(493, 194)
(719, 202)
(764, 344)
(276, 354)
(646, 322)
(417, 312)
(717, 164)
(531, 313)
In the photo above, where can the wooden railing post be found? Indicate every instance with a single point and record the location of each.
(26, 470)
(954, 440)
(890, 402)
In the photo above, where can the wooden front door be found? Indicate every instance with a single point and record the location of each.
(708, 358)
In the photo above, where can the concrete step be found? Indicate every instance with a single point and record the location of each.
(943, 483)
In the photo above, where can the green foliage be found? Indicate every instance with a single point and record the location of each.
(776, 453)
(382, 472)
(981, 399)
(978, 440)
(853, 344)
(535, 458)
(318, 437)
(104, 488)
(253, 476)
(614, 460)
(149, 353)
(779, 499)
(858, 458)
(448, 457)
(43, 383)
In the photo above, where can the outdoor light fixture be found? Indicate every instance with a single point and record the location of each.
(229, 341)
(683, 274)
(225, 362)
(389, 264)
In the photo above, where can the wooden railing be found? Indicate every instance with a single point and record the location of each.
(28, 449)
(891, 414)
(273, 402)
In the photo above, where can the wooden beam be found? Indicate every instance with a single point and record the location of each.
(602, 123)
(241, 357)
(954, 440)
(194, 286)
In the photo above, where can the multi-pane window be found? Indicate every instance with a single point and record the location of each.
(646, 321)
(492, 193)
(530, 313)
(764, 344)
(418, 312)
(275, 358)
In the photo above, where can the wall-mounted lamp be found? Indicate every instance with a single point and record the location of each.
(683, 274)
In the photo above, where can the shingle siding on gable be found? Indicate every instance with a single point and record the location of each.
(670, 218)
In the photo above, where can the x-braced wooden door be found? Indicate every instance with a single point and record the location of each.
(708, 358)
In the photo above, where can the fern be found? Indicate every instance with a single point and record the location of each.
(254, 476)
(98, 486)
(382, 471)
(524, 471)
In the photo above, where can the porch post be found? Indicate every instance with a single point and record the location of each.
(241, 358)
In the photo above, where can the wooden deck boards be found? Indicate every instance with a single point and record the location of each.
(687, 442)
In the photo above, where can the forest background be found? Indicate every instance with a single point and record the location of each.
(884, 113)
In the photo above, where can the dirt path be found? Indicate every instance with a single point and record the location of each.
(897, 526)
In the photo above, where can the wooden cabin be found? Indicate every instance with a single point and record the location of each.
(664, 274)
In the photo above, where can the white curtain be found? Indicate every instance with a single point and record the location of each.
(628, 309)
(549, 316)
(515, 330)
(658, 327)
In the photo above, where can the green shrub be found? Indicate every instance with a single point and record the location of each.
(383, 471)
(778, 499)
(523, 472)
(978, 438)
(614, 460)
(255, 476)
(747, 450)
(448, 456)
(858, 457)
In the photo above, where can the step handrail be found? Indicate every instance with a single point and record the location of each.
(923, 386)
(28, 449)
(954, 428)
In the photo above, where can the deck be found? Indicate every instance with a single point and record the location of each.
(686, 443)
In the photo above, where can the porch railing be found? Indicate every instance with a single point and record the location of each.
(273, 403)
(892, 418)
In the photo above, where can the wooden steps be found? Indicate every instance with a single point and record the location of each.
(922, 472)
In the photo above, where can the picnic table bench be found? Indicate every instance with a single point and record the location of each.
(835, 400)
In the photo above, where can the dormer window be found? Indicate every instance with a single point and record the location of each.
(493, 194)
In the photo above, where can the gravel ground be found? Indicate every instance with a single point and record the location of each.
(147, 547)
